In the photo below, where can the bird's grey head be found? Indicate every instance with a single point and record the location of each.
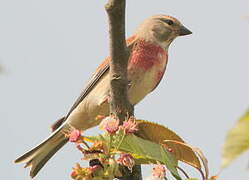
(161, 29)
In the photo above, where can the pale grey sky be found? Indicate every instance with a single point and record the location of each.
(49, 49)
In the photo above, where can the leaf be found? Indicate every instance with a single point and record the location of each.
(148, 150)
(155, 132)
(158, 133)
(99, 137)
(146, 147)
(245, 117)
(237, 141)
(142, 150)
(203, 159)
(199, 153)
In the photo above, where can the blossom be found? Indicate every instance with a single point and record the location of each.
(129, 126)
(83, 173)
(170, 150)
(126, 160)
(159, 171)
(77, 171)
(74, 174)
(95, 168)
(110, 124)
(74, 136)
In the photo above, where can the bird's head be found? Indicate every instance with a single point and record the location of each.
(161, 29)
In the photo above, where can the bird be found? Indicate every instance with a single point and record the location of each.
(148, 48)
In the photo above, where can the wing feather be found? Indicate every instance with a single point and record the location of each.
(92, 83)
(101, 70)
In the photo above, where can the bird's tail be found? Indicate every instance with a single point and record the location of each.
(38, 156)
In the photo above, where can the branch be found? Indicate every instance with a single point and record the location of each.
(119, 105)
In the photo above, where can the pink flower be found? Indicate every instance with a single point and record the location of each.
(126, 160)
(110, 124)
(81, 173)
(129, 126)
(95, 168)
(170, 150)
(159, 171)
(74, 136)
(74, 174)
(75, 171)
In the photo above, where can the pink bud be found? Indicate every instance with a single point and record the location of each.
(95, 168)
(74, 174)
(126, 160)
(74, 136)
(110, 124)
(170, 150)
(129, 126)
(159, 171)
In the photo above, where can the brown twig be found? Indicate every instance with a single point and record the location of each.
(119, 105)
(119, 53)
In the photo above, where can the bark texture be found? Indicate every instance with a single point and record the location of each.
(119, 53)
(119, 105)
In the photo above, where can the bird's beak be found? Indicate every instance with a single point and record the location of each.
(184, 31)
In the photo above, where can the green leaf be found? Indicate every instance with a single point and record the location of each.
(197, 151)
(237, 140)
(158, 134)
(143, 151)
(100, 137)
(147, 151)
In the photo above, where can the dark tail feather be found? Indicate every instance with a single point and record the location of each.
(57, 123)
(37, 157)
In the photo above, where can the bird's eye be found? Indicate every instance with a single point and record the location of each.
(169, 22)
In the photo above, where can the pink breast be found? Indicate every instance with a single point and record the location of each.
(145, 55)
(159, 75)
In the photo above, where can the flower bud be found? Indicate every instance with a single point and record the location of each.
(159, 171)
(110, 124)
(74, 136)
(129, 126)
(126, 160)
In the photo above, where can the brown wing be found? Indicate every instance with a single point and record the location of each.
(101, 70)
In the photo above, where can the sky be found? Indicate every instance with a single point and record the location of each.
(49, 49)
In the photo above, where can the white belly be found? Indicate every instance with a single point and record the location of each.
(142, 85)
(84, 115)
